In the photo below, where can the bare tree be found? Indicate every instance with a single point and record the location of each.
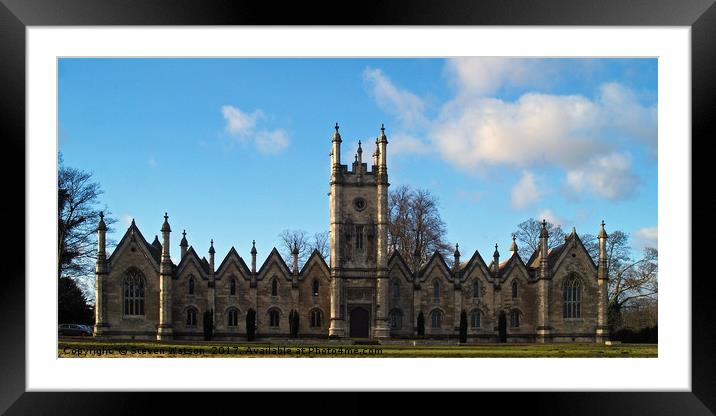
(77, 217)
(291, 239)
(320, 243)
(632, 280)
(528, 232)
(415, 228)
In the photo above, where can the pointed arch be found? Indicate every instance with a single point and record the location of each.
(134, 284)
(572, 297)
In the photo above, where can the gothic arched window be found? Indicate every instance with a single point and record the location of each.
(396, 319)
(572, 298)
(315, 287)
(436, 291)
(232, 287)
(515, 318)
(274, 287)
(134, 293)
(476, 289)
(191, 317)
(315, 318)
(514, 290)
(274, 318)
(232, 317)
(475, 318)
(436, 318)
(191, 285)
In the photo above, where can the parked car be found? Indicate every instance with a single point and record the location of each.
(74, 330)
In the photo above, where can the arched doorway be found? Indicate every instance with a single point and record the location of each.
(250, 325)
(360, 323)
(502, 326)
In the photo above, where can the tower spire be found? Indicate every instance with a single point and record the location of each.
(513, 247)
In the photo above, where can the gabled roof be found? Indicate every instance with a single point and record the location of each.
(192, 257)
(556, 257)
(513, 263)
(476, 261)
(274, 256)
(133, 234)
(233, 257)
(314, 260)
(397, 260)
(436, 260)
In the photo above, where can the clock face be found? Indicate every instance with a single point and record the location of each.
(359, 204)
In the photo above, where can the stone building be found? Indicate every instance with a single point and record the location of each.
(365, 291)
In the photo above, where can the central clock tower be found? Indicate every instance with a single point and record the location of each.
(358, 234)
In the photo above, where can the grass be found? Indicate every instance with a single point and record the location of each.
(144, 349)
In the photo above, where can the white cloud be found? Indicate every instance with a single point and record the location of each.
(272, 142)
(647, 237)
(480, 76)
(550, 216)
(525, 192)
(608, 176)
(243, 126)
(401, 143)
(578, 135)
(238, 122)
(407, 107)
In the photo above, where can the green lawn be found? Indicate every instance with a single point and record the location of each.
(137, 349)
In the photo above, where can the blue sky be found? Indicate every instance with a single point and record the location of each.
(237, 149)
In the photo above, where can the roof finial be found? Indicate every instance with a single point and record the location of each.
(360, 149)
(496, 253)
(253, 247)
(211, 247)
(602, 232)
(337, 126)
(101, 214)
(457, 251)
(183, 233)
(513, 247)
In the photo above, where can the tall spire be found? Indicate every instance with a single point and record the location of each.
(294, 254)
(211, 257)
(360, 153)
(253, 252)
(456, 255)
(336, 150)
(183, 244)
(337, 135)
(513, 247)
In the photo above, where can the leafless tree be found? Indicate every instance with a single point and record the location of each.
(77, 217)
(630, 279)
(528, 232)
(415, 229)
(291, 239)
(320, 243)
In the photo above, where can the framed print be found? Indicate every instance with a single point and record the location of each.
(554, 138)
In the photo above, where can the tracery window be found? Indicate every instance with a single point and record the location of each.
(572, 298)
(232, 317)
(134, 293)
(475, 318)
(315, 318)
(436, 319)
(274, 318)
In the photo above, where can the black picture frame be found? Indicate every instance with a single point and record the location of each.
(16, 15)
